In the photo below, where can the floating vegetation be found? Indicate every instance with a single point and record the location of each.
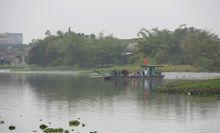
(11, 127)
(74, 123)
(83, 125)
(210, 87)
(47, 129)
(53, 130)
(43, 126)
(93, 132)
(66, 131)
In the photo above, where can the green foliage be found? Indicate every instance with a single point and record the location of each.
(76, 50)
(93, 132)
(47, 129)
(83, 125)
(43, 126)
(184, 45)
(11, 127)
(7, 66)
(53, 130)
(193, 87)
(182, 68)
(2, 122)
(66, 131)
(74, 123)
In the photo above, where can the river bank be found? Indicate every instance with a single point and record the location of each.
(131, 68)
(210, 87)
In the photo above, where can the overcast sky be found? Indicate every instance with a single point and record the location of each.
(123, 18)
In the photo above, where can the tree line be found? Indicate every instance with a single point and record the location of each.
(184, 45)
(77, 50)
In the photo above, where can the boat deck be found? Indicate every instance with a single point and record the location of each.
(130, 77)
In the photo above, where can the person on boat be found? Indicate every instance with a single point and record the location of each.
(143, 73)
(138, 73)
(124, 73)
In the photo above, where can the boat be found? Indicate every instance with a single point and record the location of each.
(147, 72)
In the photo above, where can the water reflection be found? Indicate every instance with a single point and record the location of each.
(148, 84)
(70, 87)
(145, 85)
(106, 106)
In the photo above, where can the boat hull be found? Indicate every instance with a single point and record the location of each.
(133, 77)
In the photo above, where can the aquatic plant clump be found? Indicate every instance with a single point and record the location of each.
(93, 132)
(47, 129)
(43, 126)
(83, 125)
(194, 87)
(54, 130)
(2, 122)
(66, 131)
(11, 127)
(74, 123)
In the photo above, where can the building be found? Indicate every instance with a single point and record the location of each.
(9, 39)
(12, 48)
(14, 56)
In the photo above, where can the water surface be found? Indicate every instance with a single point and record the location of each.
(117, 106)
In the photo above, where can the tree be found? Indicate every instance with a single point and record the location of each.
(184, 45)
(47, 33)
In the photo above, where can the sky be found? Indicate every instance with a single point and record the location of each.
(123, 18)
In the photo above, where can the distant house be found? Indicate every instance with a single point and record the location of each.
(10, 39)
(11, 48)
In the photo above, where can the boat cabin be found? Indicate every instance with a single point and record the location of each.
(152, 71)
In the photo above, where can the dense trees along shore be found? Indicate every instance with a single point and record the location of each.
(182, 46)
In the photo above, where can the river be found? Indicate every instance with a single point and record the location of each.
(118, 106)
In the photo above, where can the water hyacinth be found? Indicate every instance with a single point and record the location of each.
(93, 132)
(74, 123)
(54, 130)
(11, 127)
(66, 131)
(43, 126)
(83, 125)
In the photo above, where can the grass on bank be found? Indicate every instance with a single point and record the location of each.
(87, 71)
(135, 68)
(192, 87)
(182, 68)
(26, 67)
(13, 67)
